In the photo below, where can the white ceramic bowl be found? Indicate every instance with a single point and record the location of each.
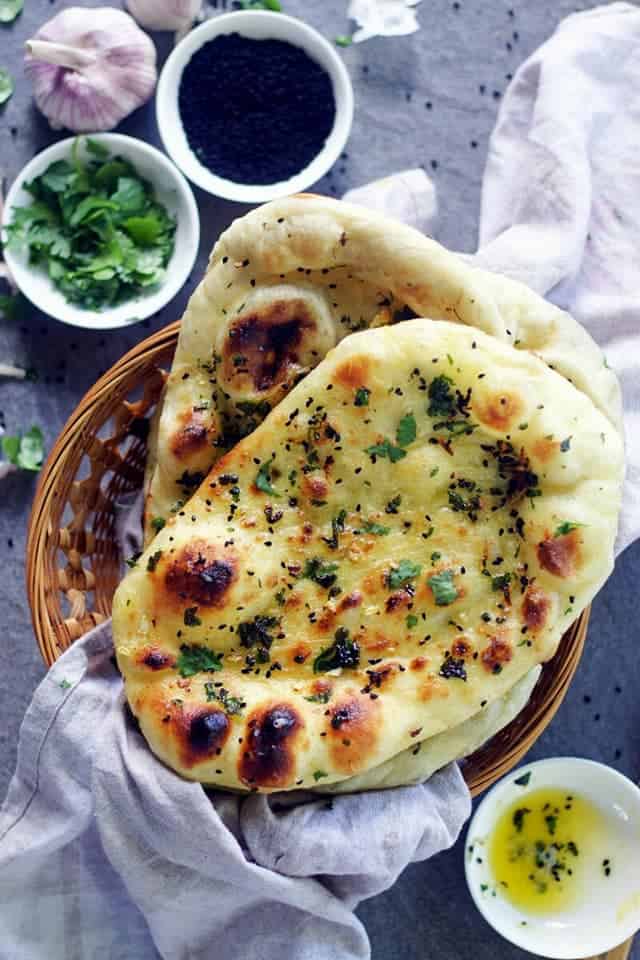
(171, 189)
(609, 913)
(257, 24)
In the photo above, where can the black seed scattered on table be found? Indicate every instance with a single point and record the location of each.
(408, 96)
(10, 543)
(474, 144)
(618, 753)
(618, 688)
(365, 68)
(434, 164)
(429, 105)
(516, 35)
(13, 131)
(482, 88)
(255, 111)
(596, 716)
(508, 46)
(586, 698)
(496, 94)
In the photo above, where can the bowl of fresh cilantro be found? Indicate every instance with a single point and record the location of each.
(100, 231)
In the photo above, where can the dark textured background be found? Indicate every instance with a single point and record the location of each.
(429, 99)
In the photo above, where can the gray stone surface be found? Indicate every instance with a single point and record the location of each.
(429, 99)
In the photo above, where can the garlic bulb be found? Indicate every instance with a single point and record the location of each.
(164, 14)
(90, 68)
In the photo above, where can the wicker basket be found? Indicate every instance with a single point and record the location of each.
(73, 565)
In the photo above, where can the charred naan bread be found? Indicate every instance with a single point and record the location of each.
(287, 282)
(405, 536)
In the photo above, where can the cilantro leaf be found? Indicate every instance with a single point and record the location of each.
(406, 432)
(501, 582)
(322, 697)
(443, 588)
(143, 230)
(405, 570)
(9, 10)
(130, 194)
(411, 620)
(566, 527)
(97, 149)
(455, 427)
(233, 706)
(10, 305)
(386, 449)
(194, 658)
(362, 397)
(319, 774)
(343, 652)
(263, 479)
(337, 527)
(324, 574)
(158, 523)
(523, 781)
(370, 526)
(257, 632)
(441, 399)
(274, 5)
(25, 451)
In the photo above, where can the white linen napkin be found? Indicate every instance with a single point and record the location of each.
(103, 850)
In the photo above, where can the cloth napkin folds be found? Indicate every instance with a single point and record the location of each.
(105, 852)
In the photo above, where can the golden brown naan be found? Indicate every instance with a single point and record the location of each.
(403, 538)
(287, 282)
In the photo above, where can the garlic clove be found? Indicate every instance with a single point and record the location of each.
(164, 14)
(88, 76)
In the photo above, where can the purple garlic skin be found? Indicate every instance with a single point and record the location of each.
(90, 68)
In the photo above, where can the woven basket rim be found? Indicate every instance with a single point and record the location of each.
(56, 485)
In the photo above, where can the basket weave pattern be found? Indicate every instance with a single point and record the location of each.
(73, 563)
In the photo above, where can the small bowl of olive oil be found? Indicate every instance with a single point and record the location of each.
(552, 858)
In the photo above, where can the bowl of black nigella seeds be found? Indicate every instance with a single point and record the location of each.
(254, 105)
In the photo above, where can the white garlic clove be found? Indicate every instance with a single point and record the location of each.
(164, 14)
(89, 72)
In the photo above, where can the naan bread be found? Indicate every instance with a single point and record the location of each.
(287, 282)
(404, 537)
(418, 763)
